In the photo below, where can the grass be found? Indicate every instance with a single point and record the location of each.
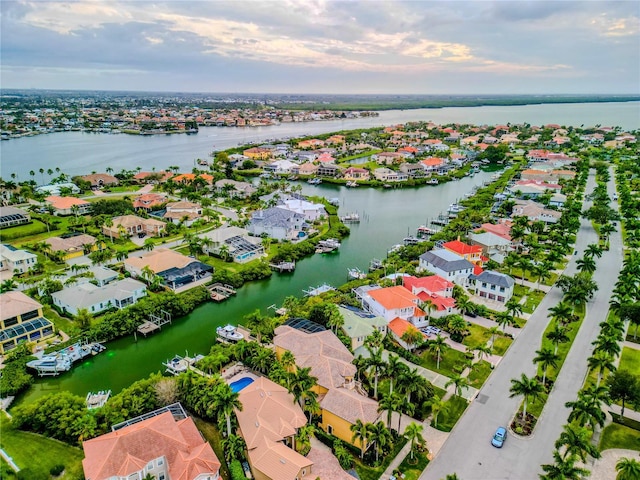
(479, 373)
(26, 230)
(448, 361)
(630, 360)
(412, 469)
(38, 453)
(534, 297)
(631, 335)
(65, 324)
(366, 472)
(477, 336)
(454, 409)
(520, 291)
(619, 436)
(213, 436)
(501, 344)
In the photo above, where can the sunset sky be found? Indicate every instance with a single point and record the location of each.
(323, 46)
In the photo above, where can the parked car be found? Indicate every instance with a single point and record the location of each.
(142, 235)
(499, 437)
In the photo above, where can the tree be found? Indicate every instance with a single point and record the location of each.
(413, 433)
(438, 405)
(558, 335)
(83, 318)
(393, 370)
(529, 388)
(375, 362)
(546, 358)
(593, 250)
(459, 383)
(562, 313)
(226, 401)
(577, 441)
(483, 350)
(600, 361)
(390, 403)
(412, 337)
(8, 285)
(624, 387)
(586, 264)
(233, 447)
(513, 307)
(360, 433)
(586, 410)
(504, 319)
(628, 469)
(149, 244)
(563, 469)
(457, 327)
(381, 436)
(437, 347)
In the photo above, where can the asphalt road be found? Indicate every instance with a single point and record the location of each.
(468, 451)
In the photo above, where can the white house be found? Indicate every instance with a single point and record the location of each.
(118, 294)
(394, 302)
(493, 286)
(279, 223)
(16, 260)
(448, 265)
(311, 211)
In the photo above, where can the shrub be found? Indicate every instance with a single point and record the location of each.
(56, 469)
(236, 470)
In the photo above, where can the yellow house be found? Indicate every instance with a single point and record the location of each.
(341, 400)
(21, 320)
(74, 246)
(257, 153)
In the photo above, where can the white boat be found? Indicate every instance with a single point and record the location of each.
(424, 231)
(312, 292)
(432, 181)
(51, 364)
(455, 208)
(395, 248)
(356, 274)
(229, 332)
(176, 365)
(314, 181)
(350, 218)
(352, 183)
(327, 246)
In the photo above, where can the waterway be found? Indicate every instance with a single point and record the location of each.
(78, 153)
(386, 218)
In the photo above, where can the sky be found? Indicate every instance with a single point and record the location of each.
(323, 46)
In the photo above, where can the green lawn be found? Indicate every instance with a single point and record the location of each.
(212, 435)
(520, 291)
(454, 409)
(448, 361)
(411, 469)
(632, 336)
(501, 344)
(619, 436)
(26, 230)
(479, 373)
(39, 454)
(477, 336)
(366, 472)
(534, 297)
(630, 360)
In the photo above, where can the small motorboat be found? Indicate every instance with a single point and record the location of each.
(229, 332)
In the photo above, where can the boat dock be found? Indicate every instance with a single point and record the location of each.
(352, 217)
(97, 400)
(55, 363)
(154, 323)
(313, 292)
(283, 266)
(441, 219)
(327, 246)
(178, 364)
(375, 264)
(220, 292)
(356, 274)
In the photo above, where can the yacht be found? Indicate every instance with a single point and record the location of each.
(229, 332)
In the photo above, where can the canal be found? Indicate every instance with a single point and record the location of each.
(386, 218)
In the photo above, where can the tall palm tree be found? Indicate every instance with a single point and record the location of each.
(563, 469)
(577, 441)
(233, 447)
(608, 345)
(376, 363)
(438, 405)
(529, 388)
(586, 264)
(412, 337)
(437, 347)
(558, 335)
(459, 383)
(226, 401)
(593, 250)
(562, 312)
(483, 350)
(586, 411)
(394, 368)
(360, 433)
(381, 436)
(628, 469)
(546, 358)
(600, 361)
(513, 307)
(504, 319)
(413, 433)
(493, 331)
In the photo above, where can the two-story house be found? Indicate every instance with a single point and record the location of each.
(493, 285)
(448, 265)
(21, 320)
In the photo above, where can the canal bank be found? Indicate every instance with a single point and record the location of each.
(386, 218)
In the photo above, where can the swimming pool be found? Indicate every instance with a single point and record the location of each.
(241, 383)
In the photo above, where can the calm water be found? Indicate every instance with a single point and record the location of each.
(77, 152)
(387, 216)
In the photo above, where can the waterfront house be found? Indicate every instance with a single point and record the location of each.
(152, 177)
(358, 325)
(387, 158)
(493, 246)
(268, 422)
(398, 327)
(158, 444)
(100, 180)
(185, 178)
(502, 229)
(340, 398)
(384, 174)
(149, 201)
(310, 143)
(308, 169)
(178, 272)
(118, 294)
(435, 290)
(21, 320)
(58, 188)
(493, 286)
(310, 211)
(473, 253)
(413, 170)
(329, 170)
(433, 165)
(535, 212)
(235, 189)
(355, 173)
(239, 245)
(133, 225)
(395, 302)
(11, 217)
(278, 223)
(257, 153)
(64, 206)
(448, 265)
(16, 260)
(183, 212)
(280, 167)
(73, 245)
(102, 275)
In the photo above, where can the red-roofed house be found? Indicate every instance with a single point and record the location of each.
(433, 164)
(148, 201)
(473, 253)
(161, 446)
(392, 302)
(398, 326)
(436, 290)
(355, 173)
(502, 229)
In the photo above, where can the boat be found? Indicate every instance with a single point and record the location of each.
(395, 248)
(203, 163)
(356, 274)
(229, 332)
(455, 208)
(52, 364)
(410, 240)
(424, 231)
(314, 181)
(352, 217)
(327, 246)
(375, 264)
(432, 181)
(352, 184)
(176, 365)
(334, 201)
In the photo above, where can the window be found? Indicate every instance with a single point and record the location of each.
(329, 429)
(502, 289)
(484, 284)
(160, 462)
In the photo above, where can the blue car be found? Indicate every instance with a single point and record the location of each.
(499, 437)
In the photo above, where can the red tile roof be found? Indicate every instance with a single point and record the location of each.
(441, 303)
(64, 203)
(394, 297)
(462, 248)
(477, 270)
(430, 284)
(501, 229)
(398, 326)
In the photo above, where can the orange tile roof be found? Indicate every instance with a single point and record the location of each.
(477, 270)
(501, 229)
(189, 177)
(433, 162)
(399, 326)
(440, 302)
(64, 203)
(13, 304)
(432, 283)
(462, 248)
(392, 298)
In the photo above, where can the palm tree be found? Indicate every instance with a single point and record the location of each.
(360, 432)
(149, 244)
(438, 405)
(374, 340)
(375, 362)
(513, 307)
(413, 433)
(563, 469)
(558, 335)
(562, 312)
(600, 361)
(493, 331)
(586, 264)
(390, 403)
(546, 358)
(577, 441)
(593, 250)
(464, 305)
(529, 388)
(233, 447)
(393, 370)
(8, 285)
(380, 435)
(459, 382)
(586, 410)
(504, 319)
(226, 401)
(437, 347)
(428, 306)
(412, 337)
(608, 345)
(457, 327)
(483, 350)
(628, 469)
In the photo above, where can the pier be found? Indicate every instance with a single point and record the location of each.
(220, 292)
(313, 292)
(97, 400)
(154, 323)
(283, 266)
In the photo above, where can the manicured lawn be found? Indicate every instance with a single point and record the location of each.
(448, 360)
(25, 230)
(501, 344)
(212, 435)
(38, 453)
(479, 373)
(630, 360)
(631, 335)
(520, 291)
(64, 324)
(454, 409)
(411, 469)
(619, 436)
(534, 298)
(477, 336)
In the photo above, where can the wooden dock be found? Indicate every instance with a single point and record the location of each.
(283, 266)
(220, 292)
(154, 323)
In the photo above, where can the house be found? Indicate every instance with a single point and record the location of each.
(355, 173)
(239, 245)
(472, 253)
(387, 158)
(448, 265)
(177, 271)
(118, 294)
(235, 189)
(502, 229)
(268, 422)
(11, 216)
(387, 175)
(398, 327)
(99, 180)
(434, 291)
(325, 157)
(493, 286)
(280, 167)
(433, 165)
(358, 325)
(72, 245)
(58, 188)
(152, 177)
(331, 363)
(413, 170)
(493, 246)
(102, 275)
(278, 223)
(257, 153)
(310, 211)
(149, 201)
(21, 320)
(394, 302)
(535, 212)
(133, 225)
(183, 212)
(161, 445)
(308, 169)
(185, 178)
(310, 143)
(16, 260)
(64, 206)
(329, 170)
